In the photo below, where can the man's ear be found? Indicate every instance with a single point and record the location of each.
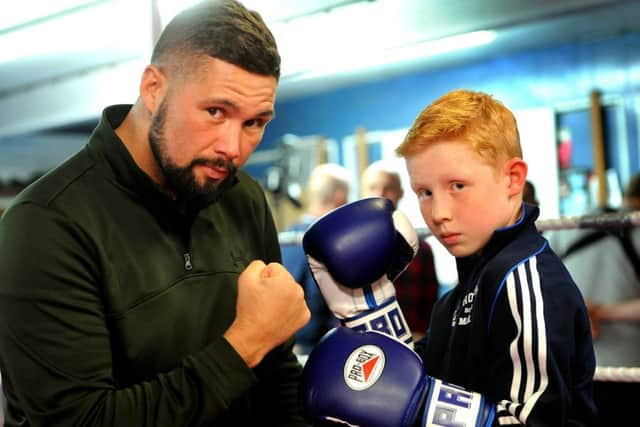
(152, 87)
(516, 172)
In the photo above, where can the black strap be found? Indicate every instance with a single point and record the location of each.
(584, 241)
(624, 237)
(630, 250)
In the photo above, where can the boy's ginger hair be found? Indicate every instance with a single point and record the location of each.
(466, 116)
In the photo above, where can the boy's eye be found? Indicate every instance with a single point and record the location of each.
(458, 186)
(214, 111)
(424, 194)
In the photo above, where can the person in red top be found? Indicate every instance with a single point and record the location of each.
(417, 287)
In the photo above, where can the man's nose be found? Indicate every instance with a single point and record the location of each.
(229, 141)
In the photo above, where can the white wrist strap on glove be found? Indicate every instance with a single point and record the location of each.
(388, 319)
(346, 302)
(448, 404)
(372, 307)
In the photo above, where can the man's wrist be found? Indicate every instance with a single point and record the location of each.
(243, 345)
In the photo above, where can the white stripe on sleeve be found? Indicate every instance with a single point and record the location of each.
(530, 400)
(530, 329)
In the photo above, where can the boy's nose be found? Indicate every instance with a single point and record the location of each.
(440, 209)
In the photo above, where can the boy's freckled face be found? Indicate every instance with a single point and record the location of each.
(462, 198)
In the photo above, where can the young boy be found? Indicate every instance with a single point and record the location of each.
(515, 328)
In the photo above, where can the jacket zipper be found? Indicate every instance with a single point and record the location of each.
(187, 261)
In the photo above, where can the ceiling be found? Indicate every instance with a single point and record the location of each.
(319, 40)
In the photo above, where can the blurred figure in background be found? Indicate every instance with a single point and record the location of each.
(327, 189)
(606, 267)
(417, 286)
(632, 194)
(529, 194)
(627, 308)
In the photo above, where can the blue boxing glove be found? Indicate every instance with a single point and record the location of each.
(364, 379)
(370, 379)
(354, 252)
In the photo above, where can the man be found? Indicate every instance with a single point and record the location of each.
(327, 189)
(606, 267)
(417, 287)
(139, 281)
(529, 193)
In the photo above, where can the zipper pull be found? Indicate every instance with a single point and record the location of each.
(187, 261)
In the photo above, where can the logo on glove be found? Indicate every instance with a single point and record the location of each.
(363, 367)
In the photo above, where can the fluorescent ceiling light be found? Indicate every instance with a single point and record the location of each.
(170, 8)
(86, 30)
(352, 59)
(287, 10)
(25, 11)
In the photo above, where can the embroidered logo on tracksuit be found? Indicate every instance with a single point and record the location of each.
(462, 313)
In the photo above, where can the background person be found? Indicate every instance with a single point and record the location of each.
(417, 286)
(139, 281)
(606, 267)
(327, 188)
(529, 193)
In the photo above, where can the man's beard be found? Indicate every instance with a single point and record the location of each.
(181, 180)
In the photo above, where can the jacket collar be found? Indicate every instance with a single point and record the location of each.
(499, 239)
(106, 144)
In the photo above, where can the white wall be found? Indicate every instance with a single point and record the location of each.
(538, 139)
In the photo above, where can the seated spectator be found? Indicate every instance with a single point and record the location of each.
(529, 194)
(417, 286)
(327, 189)
(606, 268)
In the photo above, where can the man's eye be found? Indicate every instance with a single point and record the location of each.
(254, 123)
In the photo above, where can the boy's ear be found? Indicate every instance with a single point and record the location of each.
(516, 173)
(152, 87)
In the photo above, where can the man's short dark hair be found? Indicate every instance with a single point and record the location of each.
(222, 29)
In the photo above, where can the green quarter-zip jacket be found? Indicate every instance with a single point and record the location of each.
(114, 299)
